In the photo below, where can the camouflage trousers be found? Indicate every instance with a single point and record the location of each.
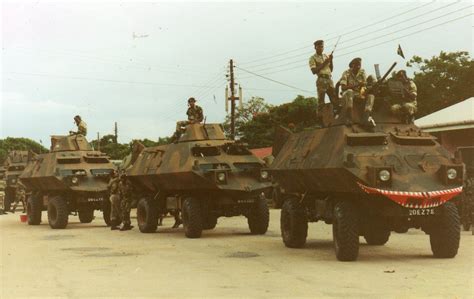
(348, 99)
(115, 209)
(181, 124)
(19, 197)
(126, 206)
(325, 86)
(405, 108)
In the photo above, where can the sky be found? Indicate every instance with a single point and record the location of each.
(137, 63)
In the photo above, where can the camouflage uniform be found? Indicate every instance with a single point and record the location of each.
(125, 191)
(324, 83)
(409, 93)
(349, 79)
(81, 129)
(20, 196)
(115, 212)
(195, 116)
(467, 212)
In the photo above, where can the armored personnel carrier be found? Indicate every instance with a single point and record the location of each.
(71, 178)
(14, 166)
(203, 176)
(367, 182)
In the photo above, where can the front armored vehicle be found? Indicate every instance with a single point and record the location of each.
(203, 176)
(71, 178)
(367, 181)
(14, 166)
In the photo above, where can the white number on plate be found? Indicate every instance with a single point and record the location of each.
(420, 212)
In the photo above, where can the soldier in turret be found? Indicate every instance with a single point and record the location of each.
(81, 126)
(195, 116)
(407, 106)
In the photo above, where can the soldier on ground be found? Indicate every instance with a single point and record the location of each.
(125, 191)
(322, 66)
(353, 84)
(115, 212)
(195, 116)
(81, 126)
(407, 107)
(20, 196)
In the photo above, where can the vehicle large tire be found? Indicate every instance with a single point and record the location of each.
(147, 215)
(376, 234)
(210, 222)
(293, 224)
(345, 231)
(106, 210)
(86, 215)
(192, 218)
(445, 236)
(259, 217)
(58, 213)
(34, 207)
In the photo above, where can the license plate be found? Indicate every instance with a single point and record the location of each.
(245, 201)
(421, 212)
(92, 199)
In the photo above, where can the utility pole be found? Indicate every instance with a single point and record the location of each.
(116, 133)
(232, 101)
(98, 141)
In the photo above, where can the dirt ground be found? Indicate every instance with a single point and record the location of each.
(89, 260)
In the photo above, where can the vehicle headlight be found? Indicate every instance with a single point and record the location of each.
(451, 173)
(264, 174)
(74, 180)
(384, 175)
(221, 176)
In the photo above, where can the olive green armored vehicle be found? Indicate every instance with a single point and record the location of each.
(203, 176)
(367, 182)
(14, 165)
(71, 178)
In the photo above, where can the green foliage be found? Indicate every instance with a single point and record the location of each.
(443, 80)
(25, 144)
(118, 151)
(256, 122)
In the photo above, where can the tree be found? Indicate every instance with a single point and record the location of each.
(443, 80)
(25, 144)
(252, 108)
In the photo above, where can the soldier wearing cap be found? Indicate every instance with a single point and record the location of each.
(81, 126)
(322, 66)
(353, 84)
(195, 116)
(408, 106)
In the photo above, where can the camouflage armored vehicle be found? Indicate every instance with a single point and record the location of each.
(14, 166)
(71, 178)
(203, 176)
(367, 182)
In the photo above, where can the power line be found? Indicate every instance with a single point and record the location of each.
(275, 81)
(369, 40)
(104, 80)
(343, 34)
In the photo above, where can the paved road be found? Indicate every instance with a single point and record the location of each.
(89, 260)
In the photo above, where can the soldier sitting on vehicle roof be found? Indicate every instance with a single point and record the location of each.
(195, 116)
(405, 103)
(81, 126)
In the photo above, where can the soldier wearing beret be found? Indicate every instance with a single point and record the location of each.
(322, 66)
(353, 84)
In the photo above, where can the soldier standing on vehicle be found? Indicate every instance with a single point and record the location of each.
(125, 190)
(115, 212)
(353, 84)
(408, 107)
(322, 66)
(20, 196)
(81, 126)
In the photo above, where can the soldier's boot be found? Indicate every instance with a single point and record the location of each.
(368, 121)
(349, 117)
(126, 227)
(114, 225)
(177, 221)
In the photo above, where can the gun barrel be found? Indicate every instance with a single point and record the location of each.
(388, 72)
